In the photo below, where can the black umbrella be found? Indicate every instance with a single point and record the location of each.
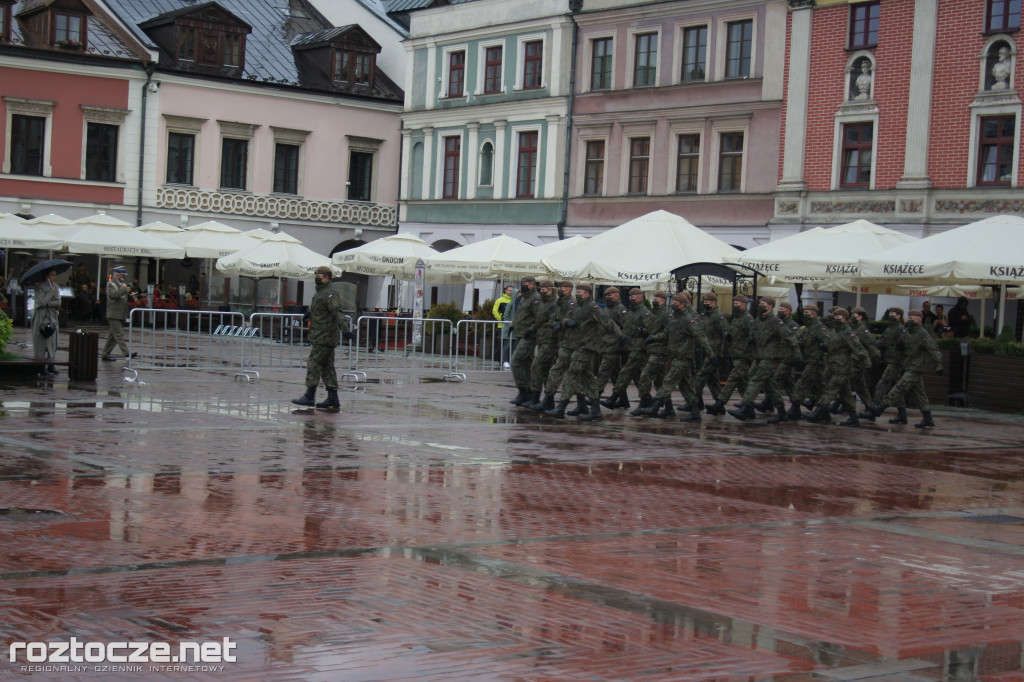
(38, 271)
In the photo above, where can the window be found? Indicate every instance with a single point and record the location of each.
(639, 164)
(695, 48)
(526, 177)
(601, 64)
(360, 176)
(739, 45)
(730, 162)
(452, 150)
(533, 63)
(186, 43)
(353, 67)
(995, 149)
(364, 67)
(286, 168)
(234, 163)
(645, 60)
(858, 141)
(69, 29)
(492, 70)
(101, 152)
(864, 25)
(181, 149)
(456, 73)
(687, 162)
(1003, 15)
(27, 139)
(232, 50)
(487, 165)
(593, 180)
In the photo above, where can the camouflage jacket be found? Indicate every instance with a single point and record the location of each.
(326, 318)
(657, 332)
(739, 335)
(813, 338)
(868, 340)
(773, 340)
(894, 339)
(591, 324)
(715, 325)
(844, 350)
(545, 313)
(617, 314)
(524, 321)
(919, 347)
(563, 311)
(685, 333)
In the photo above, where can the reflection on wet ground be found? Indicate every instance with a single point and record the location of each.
(431, 530)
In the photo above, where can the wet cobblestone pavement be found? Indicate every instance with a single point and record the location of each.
(430, 530)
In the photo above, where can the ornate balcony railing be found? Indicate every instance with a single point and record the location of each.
(279, 207)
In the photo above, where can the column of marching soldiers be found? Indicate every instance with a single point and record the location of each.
(668, 346)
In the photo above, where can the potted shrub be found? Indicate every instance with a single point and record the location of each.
(437, 338)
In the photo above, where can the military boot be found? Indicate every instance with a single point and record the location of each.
(595, 413)
(582, 405)
(793, 413)
(650, 411)
(852, 419)
(521, 397)
(779, 416)
(331, 401)
(900, 418)
(716, 408)
(763, 406)
(548, 403)
(611, 401)
(308, 399)
(926, 422)
(667, 411)
(558, 411)
(877, 408)
(867, 413)
(534, 402)
(744, 413)
(820, 415)
(645, 402)
(809, 403)
(694, 415)
(623, 401)
(835, 406)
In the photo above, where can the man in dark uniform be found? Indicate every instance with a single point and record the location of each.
(635, 327)
(859, 382)
(812, 338)
(566, 340)
(715, 325)
(657, 353)
(846, 356)
(739, 346)
(893, 343)
(685, 334)
(919, 347)
(547, 347)
(612, 353)
(774, 344)
(587, 323)
(327, 324)
(523, 328)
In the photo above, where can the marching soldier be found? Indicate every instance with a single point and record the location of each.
(523, 328)
(657, 358)
(612, 354)
(327, 324)
(919, 347)
(739, 344)
(715, 327)
(846, 356)
(547, 347)
(812, 338)
(566, 341)
(635, 327)
(588, 323)
(774, 344)
(892, 345)
(859, 382)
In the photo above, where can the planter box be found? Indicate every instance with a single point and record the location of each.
(995, 381)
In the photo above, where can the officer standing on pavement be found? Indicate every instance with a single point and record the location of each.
(117, 310)
(327, 324)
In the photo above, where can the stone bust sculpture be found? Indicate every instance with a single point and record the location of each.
(1001, 70)
(863, 82)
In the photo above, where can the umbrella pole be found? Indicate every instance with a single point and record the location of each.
(859, 287)
(1002, 307)
(981, 326)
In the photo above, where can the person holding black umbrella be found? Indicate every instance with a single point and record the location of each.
(44, 319)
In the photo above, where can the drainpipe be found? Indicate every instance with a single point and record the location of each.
(150, 68)
(574, 7)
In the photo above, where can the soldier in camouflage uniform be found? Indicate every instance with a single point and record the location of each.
(657, 352)
(715, 326)
(812, 339)
(327, 323)
(523, 328)
(547, 347)
(634, 325)
(892, 345)
(846, 356)
(612, 353)
(588, 323)
(919, 347)
(566, 344)
(774, 344)
(859, 382)
(685, 334)
(739, 346)
(784, 373)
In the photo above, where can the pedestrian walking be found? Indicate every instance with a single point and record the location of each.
(327, 325)
(118, 298)
(685, 334)
(502, 310)
(45, 318)
(547, 348)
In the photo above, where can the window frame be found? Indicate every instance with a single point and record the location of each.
(590, 162)
(228, 170)
(865, 38)
(101, 165)
(182, 33)
(533, 169)
(713, 151)
(450, 69)
(21, 106)
(81, 17)
(1007, 15)
(238, 132)
(34, 140)
(846, 147)
(694, 158)
(488, 67)
(104, 116)
(486, 153)
(371, 148)
(537, 62)
(191, 162)
(1001, 142)
(607, 63)
(682, 49)
(649, 69)
(285, 177)
(182, 125)
(728, 60)
(520, 70)
(633, 161)
(450, 176)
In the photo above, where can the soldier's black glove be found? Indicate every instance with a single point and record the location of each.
(348, 336)
(939, 371)
(625, 341)
(556, 325)
(570, 323)
(797, 362)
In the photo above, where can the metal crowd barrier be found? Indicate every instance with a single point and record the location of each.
(479, 346)
(280, 341)
(184, 339)
(388, 343)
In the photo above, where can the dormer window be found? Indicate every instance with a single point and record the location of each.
(186, 43)
(351, 66)
(202, 38)
(232, 50)
(69, 29)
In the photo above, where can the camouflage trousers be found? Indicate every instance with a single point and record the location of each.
(631, 370)
(611, 365)
(542, 363)
(738, 379)
(889, 377)
(908, 392)
(811, 384)
(579, 378)
(708, 375)
(762, 377)
(558, 370)
(859, 385)
(680, 374)
(784, 379)
(320, 367)
(522, 359)
(653, 374)
(837, 387)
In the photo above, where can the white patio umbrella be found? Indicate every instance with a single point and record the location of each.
(395, 256)
(489, 258)
(49, 220)
(211, 240)
(643, 251)
(110, 237)
(260, 233)
(160, 229)
(16, 234)
(278, 255)
(984, 252)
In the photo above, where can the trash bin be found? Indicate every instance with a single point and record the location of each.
(83, 353)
